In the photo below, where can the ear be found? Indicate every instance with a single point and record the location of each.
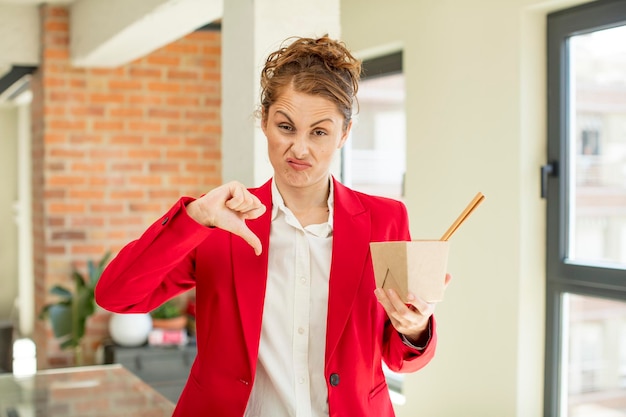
(345, 135)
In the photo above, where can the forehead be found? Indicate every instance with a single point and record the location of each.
(297, 104)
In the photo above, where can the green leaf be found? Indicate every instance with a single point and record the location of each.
(61, 319)
(79, 281)
(61, 291)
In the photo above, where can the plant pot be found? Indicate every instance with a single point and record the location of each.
(130, 330)
(175, 323)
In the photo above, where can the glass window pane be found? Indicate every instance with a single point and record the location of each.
(597, 144)
(377, 150)
(594, 357)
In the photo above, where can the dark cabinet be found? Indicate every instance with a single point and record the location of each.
(164, 368)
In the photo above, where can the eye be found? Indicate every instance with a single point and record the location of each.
(285, 126)
(319, 132)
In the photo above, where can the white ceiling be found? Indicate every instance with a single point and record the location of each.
(105, 33)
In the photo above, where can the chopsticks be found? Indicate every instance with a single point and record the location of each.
(463, 216)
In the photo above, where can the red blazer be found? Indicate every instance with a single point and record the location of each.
(176, 254)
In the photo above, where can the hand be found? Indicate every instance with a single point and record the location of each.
(227, 207)
(411, 319)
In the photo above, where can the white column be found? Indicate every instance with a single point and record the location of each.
(250, 31)
(26, 275)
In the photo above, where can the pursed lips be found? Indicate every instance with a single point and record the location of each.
(298, 165)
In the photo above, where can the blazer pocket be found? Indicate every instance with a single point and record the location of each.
(378, 389)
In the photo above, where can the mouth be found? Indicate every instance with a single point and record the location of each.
(297, 164)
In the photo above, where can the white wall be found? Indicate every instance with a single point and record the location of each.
(476, 104)
(8, 195)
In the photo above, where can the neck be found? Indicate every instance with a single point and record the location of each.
(306, 198)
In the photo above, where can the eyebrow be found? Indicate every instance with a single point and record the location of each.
(328, 119)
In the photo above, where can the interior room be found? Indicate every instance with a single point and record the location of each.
(110, 110)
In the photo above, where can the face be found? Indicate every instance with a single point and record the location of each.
(303, 133)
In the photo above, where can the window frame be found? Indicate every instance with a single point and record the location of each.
(563, 276)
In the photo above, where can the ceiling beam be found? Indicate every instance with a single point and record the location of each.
(112, 33)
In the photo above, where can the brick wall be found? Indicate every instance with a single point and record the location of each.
(112, 150)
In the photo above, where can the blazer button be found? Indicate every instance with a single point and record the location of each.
(334, 380)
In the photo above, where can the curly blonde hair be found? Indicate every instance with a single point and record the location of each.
(321, 66)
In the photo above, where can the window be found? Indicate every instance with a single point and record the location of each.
(586, 217)
(374, 159)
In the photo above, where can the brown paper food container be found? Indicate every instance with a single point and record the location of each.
(418, 266)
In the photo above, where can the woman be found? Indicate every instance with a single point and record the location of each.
(288, 319)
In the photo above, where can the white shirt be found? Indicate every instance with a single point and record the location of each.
(289, 379)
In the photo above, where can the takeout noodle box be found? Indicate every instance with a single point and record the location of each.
(418, 266)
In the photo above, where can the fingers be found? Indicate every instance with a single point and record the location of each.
(241, 199)
(410, 320)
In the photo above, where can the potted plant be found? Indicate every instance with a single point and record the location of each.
(68, 316)
(168, 316)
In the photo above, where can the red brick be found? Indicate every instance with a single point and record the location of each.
(89, 194)
(172, 61)
(65, 180)
(126, 112)
(146, 180)
(126, 140)
(106, 207)
(69, 235)
(108, 125)
(67, 208)
(164, 87)
(133, 84)
(83, 111)
(126, 166)
(182, 101)
(164, 113)
(59, 54)
(145, 72)
(64, 124)
(164, 167)
(127, 194)
(164, 141)
(182, 75)
(144, 153)
(106, 98)
(142, 126)
(145, 99)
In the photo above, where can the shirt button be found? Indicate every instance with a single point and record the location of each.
(300, 330)
(301, 380)
(334, 380)
(303, 280)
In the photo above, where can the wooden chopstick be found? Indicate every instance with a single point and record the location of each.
(463, 216)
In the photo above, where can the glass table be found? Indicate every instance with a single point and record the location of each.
(89, 391)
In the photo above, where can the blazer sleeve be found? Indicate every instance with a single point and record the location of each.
(400, 357)
(154, 268)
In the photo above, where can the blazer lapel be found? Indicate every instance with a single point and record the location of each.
(351, 236)
(250, 275)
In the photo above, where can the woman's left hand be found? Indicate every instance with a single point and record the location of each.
(409, 319)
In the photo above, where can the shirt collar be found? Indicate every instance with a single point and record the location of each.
(279, 203)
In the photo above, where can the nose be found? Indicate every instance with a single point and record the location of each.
(300, 145)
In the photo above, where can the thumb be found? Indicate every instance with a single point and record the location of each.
(253, 240)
